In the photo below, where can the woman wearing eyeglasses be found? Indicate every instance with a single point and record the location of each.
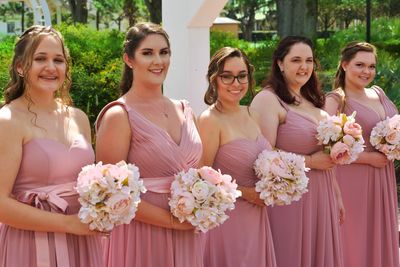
(306, 232)
(232, 140)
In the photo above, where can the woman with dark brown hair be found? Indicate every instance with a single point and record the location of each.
(159, 135)
(306, 232)
(370, 234)
(232, 140)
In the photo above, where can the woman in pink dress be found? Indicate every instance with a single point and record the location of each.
(370, 233)
(232, 141)
(44, 143)
(158, 135)
(306, 232)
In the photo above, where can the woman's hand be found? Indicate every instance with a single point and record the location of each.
(342, 211)
(76, 227)
(250, 195)
(320, 161)
(177, 225)
(377, 159)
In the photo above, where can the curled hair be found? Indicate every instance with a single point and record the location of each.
(216, 67)
(346, 55)
(24, 50)
(310, 90)
(133, 39)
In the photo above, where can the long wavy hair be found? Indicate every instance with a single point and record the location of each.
(310, 91)
(133, 39)
(346, 55)
(216, 67)
(24, 50)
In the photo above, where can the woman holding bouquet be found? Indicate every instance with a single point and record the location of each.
(159, 136)
(44, 143)
(370, 233)
(305, 233)
(232, 141)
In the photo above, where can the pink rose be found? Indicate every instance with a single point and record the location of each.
(119, 204)
(353, 129)
(210, 175)
(340, 153)
(393, 137)
(186, 204)
(384, 149)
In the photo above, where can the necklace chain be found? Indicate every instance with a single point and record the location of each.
(164, 108)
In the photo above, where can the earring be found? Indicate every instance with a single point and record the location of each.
(20, 75)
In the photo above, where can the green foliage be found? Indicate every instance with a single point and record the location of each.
(96, 66)
(6, 51)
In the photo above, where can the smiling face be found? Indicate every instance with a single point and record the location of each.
(297, 66)
(234, 66)
(360, 70)
(48, 70)
(151, 61)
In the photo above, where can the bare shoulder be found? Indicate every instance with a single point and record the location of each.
(264, 99)
(78, 115)
(115, 114)
(12, 124)
(209, 118)
(254, 114)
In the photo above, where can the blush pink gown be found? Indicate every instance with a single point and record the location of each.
(46, 180)
(306, 232)
(158, 158)
(370, 231)
(245, 238)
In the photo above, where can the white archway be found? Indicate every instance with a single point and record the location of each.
(40, 8)
(188, 25)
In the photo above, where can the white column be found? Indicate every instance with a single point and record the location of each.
(41, 12)
(188, 23)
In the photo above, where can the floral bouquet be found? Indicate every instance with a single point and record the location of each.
(201, 197)
(341, 137)
(109, 194)
(282, 177)
(385, 137)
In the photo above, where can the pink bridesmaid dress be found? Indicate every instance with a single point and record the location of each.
(46, 180)
(245, 238)
(306, 232)
(158, 158)
(370, 231)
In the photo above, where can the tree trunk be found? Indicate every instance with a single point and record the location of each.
(297, 17)
(78, 10)
(154, 7)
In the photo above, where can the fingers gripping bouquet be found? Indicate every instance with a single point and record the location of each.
(202, 196)
(385, 137)
(282, 177)
(109, 194)
(341, 137)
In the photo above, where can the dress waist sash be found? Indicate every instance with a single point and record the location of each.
(53, 196)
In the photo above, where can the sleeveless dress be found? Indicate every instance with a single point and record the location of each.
(158, 158)
(306, 232)
(245, 238)
(370, 231)
(46, 180)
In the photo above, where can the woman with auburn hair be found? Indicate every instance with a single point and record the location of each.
(306, 232)
(232, 140)
(158, 135)
(370, 234)
(44, 143)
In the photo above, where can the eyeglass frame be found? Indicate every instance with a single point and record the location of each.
(235, 77)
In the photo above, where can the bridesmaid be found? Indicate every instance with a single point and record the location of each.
(158, 135)
(370, 234)
(232, 141)
(305, 233)
(44, 143)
